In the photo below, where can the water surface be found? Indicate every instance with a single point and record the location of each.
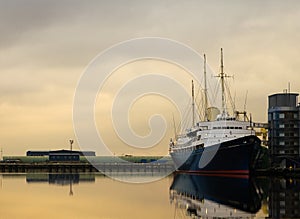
(177, 196)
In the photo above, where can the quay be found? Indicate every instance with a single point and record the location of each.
(66, 167)
(82, 167)
(121, 167)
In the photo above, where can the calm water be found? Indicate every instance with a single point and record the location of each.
(180, 196)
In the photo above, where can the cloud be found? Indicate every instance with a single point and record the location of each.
(46, 45)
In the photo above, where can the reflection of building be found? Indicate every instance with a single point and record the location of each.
(284, 199)
(283, 119)
(60, 179)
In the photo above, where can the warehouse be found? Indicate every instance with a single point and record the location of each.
(47, 153)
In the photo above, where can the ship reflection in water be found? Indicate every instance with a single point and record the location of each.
(215, 197)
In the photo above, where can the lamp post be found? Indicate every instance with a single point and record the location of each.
(71, 143)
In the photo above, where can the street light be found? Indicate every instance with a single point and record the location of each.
(71, 143)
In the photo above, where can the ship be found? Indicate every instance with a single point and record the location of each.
(226, 144)
(201, 196)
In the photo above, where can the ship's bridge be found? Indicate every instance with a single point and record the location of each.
(225, 117)
(224, 129)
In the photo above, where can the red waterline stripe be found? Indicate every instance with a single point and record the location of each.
(230, 173)
(219, 171)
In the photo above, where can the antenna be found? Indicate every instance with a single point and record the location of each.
(245, 104)
(174, 126)
(205, 91)
(289, 91)
(234, 107)
(193, 103)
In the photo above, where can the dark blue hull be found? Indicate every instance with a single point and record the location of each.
(236, 156)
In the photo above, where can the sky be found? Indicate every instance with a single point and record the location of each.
(47, 45)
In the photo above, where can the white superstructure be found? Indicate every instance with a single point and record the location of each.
(205, 134)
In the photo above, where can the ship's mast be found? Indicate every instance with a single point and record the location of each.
(193, 104)
(222, 76)
(205, 91)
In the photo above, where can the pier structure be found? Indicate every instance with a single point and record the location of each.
(72, 167)
(28, 164)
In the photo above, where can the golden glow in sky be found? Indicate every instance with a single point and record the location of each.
(46, 45)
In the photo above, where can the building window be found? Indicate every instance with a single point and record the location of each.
(281, 116)
(281, 143)
(281, 152)
(281, 126)
(295, 115)
(282, 194)
(269, 116)
(281, 134)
